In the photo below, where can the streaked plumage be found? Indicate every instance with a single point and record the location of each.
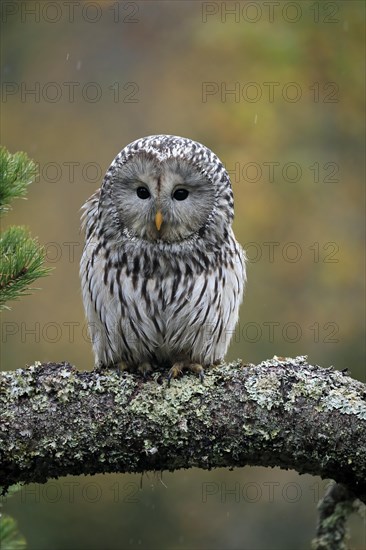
(157, 297)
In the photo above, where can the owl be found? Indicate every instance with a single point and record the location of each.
(162, 274)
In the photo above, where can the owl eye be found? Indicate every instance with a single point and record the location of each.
(142, 193)
(180, 194)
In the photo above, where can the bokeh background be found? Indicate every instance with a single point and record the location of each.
(276, 89)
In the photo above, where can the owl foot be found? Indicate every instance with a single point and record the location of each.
(102, 367)
(145, 369)
(178, 368)
(121, 366)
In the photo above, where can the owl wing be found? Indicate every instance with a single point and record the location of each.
(90, 214)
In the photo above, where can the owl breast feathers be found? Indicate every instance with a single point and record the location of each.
(162, 274)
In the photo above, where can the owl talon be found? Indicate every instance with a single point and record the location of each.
(145, 369)
(120, 367)
(102, 367)
(197, 369)
(175, 371)
(178, 368)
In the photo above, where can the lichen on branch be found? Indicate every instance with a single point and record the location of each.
(283, 412)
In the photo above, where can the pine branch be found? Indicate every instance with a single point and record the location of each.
(16, 173)
(21, 263)
(10, 537)
(21, 257)
(284, 412)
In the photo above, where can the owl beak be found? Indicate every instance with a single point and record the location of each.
(158, 220)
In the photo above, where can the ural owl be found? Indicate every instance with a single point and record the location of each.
(162, 273)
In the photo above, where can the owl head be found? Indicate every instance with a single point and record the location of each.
(168, 189)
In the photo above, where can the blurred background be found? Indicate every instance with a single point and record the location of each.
(276, 90)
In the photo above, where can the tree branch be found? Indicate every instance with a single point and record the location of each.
(283, 412)
(334, 509)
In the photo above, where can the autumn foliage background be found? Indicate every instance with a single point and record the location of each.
(277, 91)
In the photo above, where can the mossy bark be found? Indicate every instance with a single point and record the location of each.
(283, 412)
(334, 509)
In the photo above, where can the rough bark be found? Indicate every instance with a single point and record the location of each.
(283, 412)
(334, 509)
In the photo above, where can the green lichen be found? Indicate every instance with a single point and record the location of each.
(72, 422)
(346, 402)
(264, 390)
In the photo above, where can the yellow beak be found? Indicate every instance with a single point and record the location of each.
(158, 220)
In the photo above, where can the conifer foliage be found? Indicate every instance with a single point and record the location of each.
(21, 256)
